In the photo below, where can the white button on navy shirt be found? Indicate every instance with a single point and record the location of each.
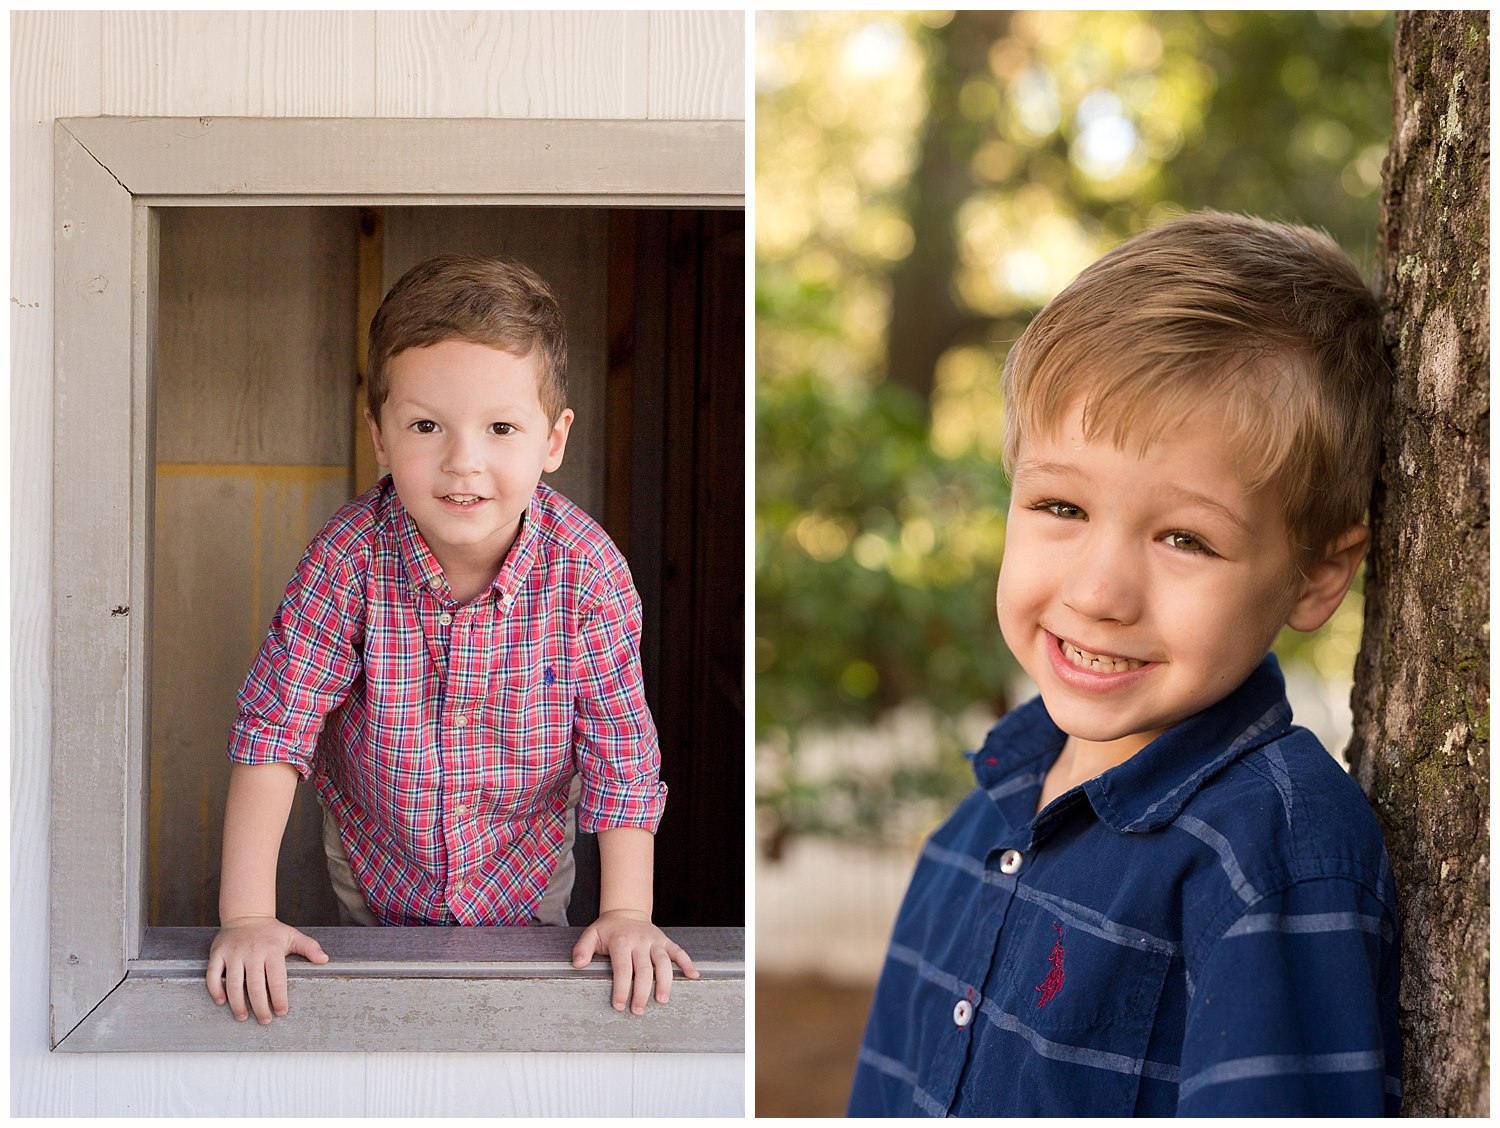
(1010, 861)
(963, 1012)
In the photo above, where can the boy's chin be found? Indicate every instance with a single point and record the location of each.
(1086, 726)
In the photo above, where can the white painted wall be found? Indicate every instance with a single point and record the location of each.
(666, 65)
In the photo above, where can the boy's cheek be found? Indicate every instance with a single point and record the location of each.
(1005, 614)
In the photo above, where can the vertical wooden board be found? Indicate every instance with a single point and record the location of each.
(367, 470)
(671, 1085)
(221, 1085)
(255, 361)
(91, 670)
(568, 247)
(620, 317)
(201, 647)
(697, 65)
(222, 63)
(227, 541)
(649, 435)
(480, 1084)
(557, 64)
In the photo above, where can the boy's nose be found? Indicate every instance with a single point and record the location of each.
(1104, 585)
(461, 456)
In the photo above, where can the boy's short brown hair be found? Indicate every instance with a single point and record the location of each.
(488, 301)
(1267, 322)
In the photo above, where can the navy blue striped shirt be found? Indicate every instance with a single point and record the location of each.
(1207, 929)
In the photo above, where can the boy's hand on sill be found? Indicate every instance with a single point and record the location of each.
(247, 960)
(638, 951)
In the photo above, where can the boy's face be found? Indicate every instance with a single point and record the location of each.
(466, 440)
(1137, 590)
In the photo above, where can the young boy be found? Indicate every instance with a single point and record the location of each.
(1163, 898)
(455, 645)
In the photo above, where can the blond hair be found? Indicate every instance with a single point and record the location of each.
(487, 301)
(1267, 323)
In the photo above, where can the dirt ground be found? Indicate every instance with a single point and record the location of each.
(807, 1034)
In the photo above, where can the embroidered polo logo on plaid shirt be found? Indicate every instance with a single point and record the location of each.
(548, 676)
(1050, 986)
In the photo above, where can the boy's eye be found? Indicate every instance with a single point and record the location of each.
(1187, 542)
(424, 426)
(1066, 510)
(501, 428)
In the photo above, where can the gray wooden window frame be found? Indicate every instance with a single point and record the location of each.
(117, 984)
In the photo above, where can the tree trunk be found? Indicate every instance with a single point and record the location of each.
(926, 318)
(1421, 697)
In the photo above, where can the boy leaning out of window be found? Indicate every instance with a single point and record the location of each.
(1163, 897)
(456, 654)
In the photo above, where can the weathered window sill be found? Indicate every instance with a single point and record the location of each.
(425, 989)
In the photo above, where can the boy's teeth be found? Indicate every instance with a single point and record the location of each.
(1099, 663)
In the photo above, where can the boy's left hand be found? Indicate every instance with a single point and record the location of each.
(639, 952)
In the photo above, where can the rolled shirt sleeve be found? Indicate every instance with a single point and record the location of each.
(615, 738)
(305, 668)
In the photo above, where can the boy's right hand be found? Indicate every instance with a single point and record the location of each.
(247, 960)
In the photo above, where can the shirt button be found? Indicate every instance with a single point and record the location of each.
(445, 618)
(963, 1012)
(461, 809)
(1010, 861)
(460, 721)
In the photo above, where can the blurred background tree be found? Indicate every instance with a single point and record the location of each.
(925, 182)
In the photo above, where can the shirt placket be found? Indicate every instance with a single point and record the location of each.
(463, 631)
(986, 928)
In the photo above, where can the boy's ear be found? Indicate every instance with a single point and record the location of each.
(1328, 579)
(557, 441)
(380, 455)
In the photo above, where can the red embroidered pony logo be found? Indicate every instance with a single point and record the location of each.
(1050, 986)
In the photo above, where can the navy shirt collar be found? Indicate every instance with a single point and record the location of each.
(1148, 790)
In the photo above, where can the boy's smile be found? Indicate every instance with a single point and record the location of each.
(1138, 588)
(466, 440)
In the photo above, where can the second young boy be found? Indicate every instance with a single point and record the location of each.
(1164, 898)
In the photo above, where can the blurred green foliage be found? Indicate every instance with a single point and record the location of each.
(901, 549)
(947, 173)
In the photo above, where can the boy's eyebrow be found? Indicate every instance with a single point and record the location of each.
(1033, 466)
(1193, 497)
(497, 410)
(1180, 494)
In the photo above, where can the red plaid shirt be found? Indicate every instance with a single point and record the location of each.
(452, 732)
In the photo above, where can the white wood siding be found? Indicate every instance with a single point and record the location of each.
(662, 65)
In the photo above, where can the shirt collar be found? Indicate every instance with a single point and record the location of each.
(1148, 790)
(423, 569)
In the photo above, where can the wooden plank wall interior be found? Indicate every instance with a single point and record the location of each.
(260, 438)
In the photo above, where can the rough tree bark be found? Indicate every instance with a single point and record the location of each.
(1421, 699)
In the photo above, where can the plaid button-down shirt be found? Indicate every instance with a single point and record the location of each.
(443, 737)
(1208, 929)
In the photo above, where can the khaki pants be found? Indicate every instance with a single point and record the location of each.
(551, 909)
